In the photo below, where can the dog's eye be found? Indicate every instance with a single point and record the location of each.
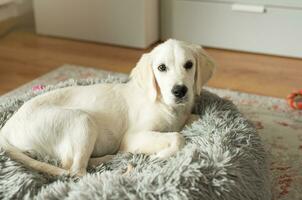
(162, 68)
(188, 65)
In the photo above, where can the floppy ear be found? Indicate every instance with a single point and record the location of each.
(143, 75)
(205, 67)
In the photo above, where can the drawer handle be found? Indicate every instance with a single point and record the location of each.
(248, 8)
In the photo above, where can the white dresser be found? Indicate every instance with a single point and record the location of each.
(131, 23)
(262, 26)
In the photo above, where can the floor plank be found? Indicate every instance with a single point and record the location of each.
(24, 56)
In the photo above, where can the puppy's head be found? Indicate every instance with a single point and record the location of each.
(174, 71)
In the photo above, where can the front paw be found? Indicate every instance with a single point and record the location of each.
(175, 142)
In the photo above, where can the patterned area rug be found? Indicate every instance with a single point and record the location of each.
(279, 126)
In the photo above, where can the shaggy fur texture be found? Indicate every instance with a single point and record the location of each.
(223, 159)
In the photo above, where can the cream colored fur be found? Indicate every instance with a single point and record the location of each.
(83, 125)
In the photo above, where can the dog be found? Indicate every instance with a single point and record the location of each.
(85, 125)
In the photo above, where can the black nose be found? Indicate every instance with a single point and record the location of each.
(179, 91)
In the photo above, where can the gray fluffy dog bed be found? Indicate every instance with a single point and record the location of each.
(223, 159)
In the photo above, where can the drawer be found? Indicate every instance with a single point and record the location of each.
(271, 3)
(277, 30)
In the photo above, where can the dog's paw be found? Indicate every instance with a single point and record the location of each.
(175, 142)
(77, 173)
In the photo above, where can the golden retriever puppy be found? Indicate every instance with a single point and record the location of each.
(82, 125)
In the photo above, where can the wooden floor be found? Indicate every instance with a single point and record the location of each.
(24, 56)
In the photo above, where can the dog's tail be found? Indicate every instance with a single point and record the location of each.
(17, 155)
